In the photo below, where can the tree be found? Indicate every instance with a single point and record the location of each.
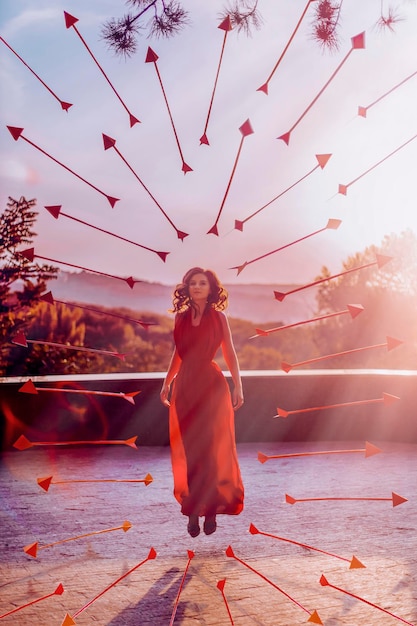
(21, 281)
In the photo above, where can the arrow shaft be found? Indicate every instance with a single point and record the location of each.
(215, 82)
(315, 319)
(169, 111)
(96, 532)
(303, 545)
(335, 354)
(391, 90)
(333, 406)
(99, 480)
(343, 499)
(227, 607)
(80, 267)
(87, 308)
(230, 180)
(324, 280)
(19, 608)
(177, 599)
(263, 256)
(295, 454)
(77, 443)
(78, 348)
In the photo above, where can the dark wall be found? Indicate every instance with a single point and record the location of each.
(60, 416)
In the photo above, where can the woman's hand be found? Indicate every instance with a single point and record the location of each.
(164, 395)
(237, 398)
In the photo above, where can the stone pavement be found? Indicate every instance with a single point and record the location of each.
(94, 570)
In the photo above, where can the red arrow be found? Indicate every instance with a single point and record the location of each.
(370, 450)
(322, 161)
(354, 562)
(48, 297)
(362, 111)
(64, 105)
(387, 399)
(16, 133)
(220, 586)
(331, 225)
(24, 444)
(344, 188)
(381, 260)
(70, 21)
(226, 25)
(152, 57)
(29, 387)
(69, 620)
(352, 309)
(389, 344)
(264, 87)
(32, 549)
(58, 592)
(56, 212)
(395, 499)
(358, 43)
(21, 340)
(245, 130)
(314, 617)
(177, 599)
(109, 142)
(325, 583)
(29, 254)
(45, 483)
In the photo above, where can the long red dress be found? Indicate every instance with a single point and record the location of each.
(207, 478)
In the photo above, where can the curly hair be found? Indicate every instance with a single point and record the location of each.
(217, 298)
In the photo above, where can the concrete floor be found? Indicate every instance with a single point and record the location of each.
(103, 584)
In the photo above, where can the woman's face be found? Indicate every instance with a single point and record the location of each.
(199, 288)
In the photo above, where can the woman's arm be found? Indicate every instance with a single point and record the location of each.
(232, 363)
(173, 368)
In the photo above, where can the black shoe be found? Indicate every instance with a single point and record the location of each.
(193, 526)
(210, 525)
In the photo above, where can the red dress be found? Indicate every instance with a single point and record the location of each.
(207, 478)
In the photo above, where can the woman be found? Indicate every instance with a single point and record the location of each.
(206, 472)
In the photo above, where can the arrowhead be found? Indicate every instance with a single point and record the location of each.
(213, 230)
(151, 56)
(362, 111)
(314, 618)
(191, 554)
(355, 563)
(112, 201)
(279, 295)
(246, 128)
(130, 281)
(108, 142)
(133, 120)
(290, 499)
(253, 530)
(355, 310)
(131, 442)
(32, 549)
(68, 621)
(70, 20)
(358, 42)
(261, 333)
(20, 340)
(152, 554)
(65, 105)
(343, 190)
(397, 500)
(47, 297)
(126, 526)
(323, 159)
(186, 168)
(148, 479)
(220, 585)
(162, 255)
(59, 590)
(333, 224)
(28, 387)
(389, 398)
(229, 551)
(15, 132)
(370, 449)
(22, 443)
(263, 88)
(226, 24)
(204, 140)
(181, 234)
(44, 483)
(262, 458)
(393, 343)
(239, 225)
(285, 137)
(287, 367)
(323, 581)
(382, 260)
(28, 254)
(54, 210)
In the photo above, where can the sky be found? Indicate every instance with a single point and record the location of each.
(314, 92)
